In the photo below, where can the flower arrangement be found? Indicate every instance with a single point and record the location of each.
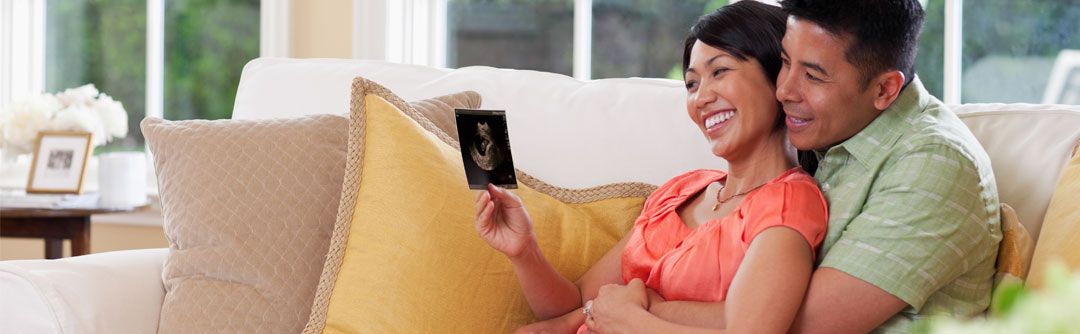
(82, 108)
(1054, 308)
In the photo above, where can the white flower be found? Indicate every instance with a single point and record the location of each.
(81, 96)
(79, 118)
(82, 108)
(113, 116)
(23, 119)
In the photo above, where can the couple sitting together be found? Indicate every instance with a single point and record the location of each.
(885, 214)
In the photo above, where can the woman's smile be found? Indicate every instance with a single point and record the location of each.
(715, 121)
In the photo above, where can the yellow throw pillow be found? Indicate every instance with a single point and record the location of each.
(1060, 236)
(405, 256)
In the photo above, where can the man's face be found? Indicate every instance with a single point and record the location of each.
(823, 94)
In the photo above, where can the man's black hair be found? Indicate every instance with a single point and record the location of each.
(885, 33)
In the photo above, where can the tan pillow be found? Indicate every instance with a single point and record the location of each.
(440, 110)
(1014, 253)
(249, 206)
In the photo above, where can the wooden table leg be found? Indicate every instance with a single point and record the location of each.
(54, 248)
(80, 238)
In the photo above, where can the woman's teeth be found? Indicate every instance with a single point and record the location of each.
(718, 118)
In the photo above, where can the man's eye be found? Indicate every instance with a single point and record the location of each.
(811, 77)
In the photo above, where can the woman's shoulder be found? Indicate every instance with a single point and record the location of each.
(683, 185)
(794, 189)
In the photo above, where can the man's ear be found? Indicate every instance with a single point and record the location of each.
(886, 87)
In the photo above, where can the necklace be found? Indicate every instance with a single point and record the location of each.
(720, 202)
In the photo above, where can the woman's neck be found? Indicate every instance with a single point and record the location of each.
(767, 160)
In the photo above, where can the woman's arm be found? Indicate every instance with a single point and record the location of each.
(763, 298)
(503, 222)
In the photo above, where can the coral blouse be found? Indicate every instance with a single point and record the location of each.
(698, 264)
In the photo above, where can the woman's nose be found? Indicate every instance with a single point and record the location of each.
(703, 96)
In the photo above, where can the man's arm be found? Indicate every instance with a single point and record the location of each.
(840, 303)
(924, 224)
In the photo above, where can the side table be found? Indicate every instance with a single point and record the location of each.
(53, 225)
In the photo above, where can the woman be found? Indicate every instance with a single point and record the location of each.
(710, 242)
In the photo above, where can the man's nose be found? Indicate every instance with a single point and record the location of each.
(786, 87)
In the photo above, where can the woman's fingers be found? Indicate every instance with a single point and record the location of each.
(483, 219)
(482, 199)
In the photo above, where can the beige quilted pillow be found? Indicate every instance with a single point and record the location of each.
(249, 206)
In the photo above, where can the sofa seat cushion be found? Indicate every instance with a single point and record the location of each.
(406, 258)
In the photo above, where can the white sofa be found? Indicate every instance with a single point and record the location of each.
(567, 132)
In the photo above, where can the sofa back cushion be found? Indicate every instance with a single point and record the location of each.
(567, 132)
(1028, 147)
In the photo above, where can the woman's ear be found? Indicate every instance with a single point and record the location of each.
(887, 87)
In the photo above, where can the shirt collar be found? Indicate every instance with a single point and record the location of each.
(871, 144)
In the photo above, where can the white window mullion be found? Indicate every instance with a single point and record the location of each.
(954, 14)
(583, 39)
(274, 28)
(438, 33)
(369, 29)
(155, 58)
(6, 9)
(22, 41)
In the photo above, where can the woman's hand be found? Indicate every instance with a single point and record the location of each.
(616, 306)
(567, 323)
(501, 220)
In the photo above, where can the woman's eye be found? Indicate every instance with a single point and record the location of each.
(720, 70)
(690, 84)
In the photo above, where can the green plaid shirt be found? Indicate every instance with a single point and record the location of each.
(913, 210)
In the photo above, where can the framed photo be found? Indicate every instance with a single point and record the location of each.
(59, 162)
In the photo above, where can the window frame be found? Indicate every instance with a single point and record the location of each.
(374, 37)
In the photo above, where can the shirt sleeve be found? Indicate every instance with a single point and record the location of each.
(925, 223)
(796, 204)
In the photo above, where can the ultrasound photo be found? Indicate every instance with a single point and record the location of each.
(485, 148)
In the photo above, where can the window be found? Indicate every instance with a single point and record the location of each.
(105, 42)
(642, 38)
(1010, 48)
(207, 43)
(522, 34)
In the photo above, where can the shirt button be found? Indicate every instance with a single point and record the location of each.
(825, 187)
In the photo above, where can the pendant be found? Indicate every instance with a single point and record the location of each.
(716, 207)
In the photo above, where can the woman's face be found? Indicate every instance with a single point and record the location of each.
(730, 100)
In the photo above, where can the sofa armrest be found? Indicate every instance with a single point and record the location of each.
(114, 292)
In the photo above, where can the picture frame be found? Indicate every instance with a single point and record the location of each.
(59, 164)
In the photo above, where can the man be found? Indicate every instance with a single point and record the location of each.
(914, 225)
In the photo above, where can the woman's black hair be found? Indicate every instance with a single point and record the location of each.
(747, 30)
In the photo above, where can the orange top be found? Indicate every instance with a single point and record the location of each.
(698, 264)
